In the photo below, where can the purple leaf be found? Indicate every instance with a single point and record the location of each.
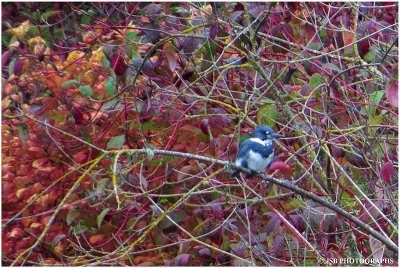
(168, 263)
(277, 245)
(204, 125)
(182, 260)
(18, 67)
(153, 11)
(205, 252)
(5, 58)
(214, 30)
(236, 14)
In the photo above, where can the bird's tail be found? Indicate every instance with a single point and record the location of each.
(236, 174)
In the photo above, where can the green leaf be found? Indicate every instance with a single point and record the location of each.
(316, 80)
(130, 44)
(376, 98)
(78, 229)
(101, 185)
(110, 86)
(267, 114)
(164, 201)
(371, 56)
(72, 215)
(86, 91)
(57, 116)
(130, 37)
(375, 120)
(23, 133)
(11, 66)
(86, 135)
(331, 66)
(116, 142)
(101, 216)
(86, 19)
(57, 239)
(69, 83)
(114, 104)
(48, 14)
(131, 222)
(242, 138)
(163, 159)
(177, 216)
(323, 34)
(106, 62)
(150, 125)
(225, 242)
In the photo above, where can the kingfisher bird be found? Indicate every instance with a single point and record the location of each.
(257, 153)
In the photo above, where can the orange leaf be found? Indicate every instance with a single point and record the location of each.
(95, 239)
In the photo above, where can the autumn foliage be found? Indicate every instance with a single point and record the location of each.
(89, 90)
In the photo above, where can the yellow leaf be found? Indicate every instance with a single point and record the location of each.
(37, 45)
(88, 77)
(21, 30)
(207, 9)
(97, 56)
(5, 103)
(74, 55)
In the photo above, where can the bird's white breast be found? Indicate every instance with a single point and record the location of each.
(257, 163)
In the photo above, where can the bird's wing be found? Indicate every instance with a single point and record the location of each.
(244, 148)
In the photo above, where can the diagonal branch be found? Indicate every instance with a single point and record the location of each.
(285, 184)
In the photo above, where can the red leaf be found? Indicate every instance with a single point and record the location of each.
(392, 93)
(78, 116)
(118, 64)
(23, 193)
(79, 157)
(15, 233)
(281, 166)
(387, 170)
(295, 88)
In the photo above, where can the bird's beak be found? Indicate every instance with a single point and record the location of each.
(277, 136)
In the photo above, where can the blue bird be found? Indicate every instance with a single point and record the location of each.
(257, 153)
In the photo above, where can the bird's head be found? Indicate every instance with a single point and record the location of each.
(264, 132)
